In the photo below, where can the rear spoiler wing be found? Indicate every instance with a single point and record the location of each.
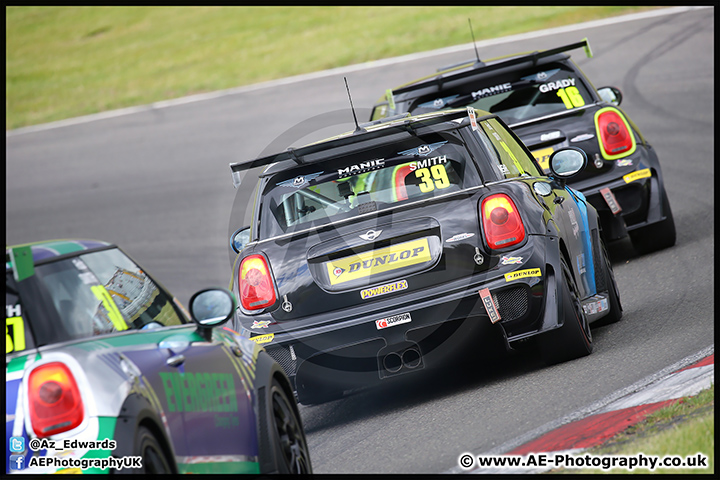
(316, 152)
(482, 68)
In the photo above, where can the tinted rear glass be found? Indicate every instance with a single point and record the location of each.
(376, 179)
(515, 97)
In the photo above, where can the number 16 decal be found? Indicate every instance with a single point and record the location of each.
(571, 97)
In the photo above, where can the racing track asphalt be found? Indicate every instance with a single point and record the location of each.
(156, 181)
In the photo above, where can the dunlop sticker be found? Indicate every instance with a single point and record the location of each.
(543, 157)
(631, 177)
(384, 289)
(260, 339)
(378, 261)
(517, 275)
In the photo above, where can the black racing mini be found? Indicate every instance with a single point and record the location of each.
(392, 249)
(550, 104)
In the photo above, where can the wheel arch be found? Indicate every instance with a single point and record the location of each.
(268, 369)
(137, 411)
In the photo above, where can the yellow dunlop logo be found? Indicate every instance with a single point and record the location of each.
(543, 157)
(267, 338)
(533, 272)
(631, 177)
(378, 261)
(383, 289)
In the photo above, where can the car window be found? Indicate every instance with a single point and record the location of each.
(417, 169)
(104, 292)
(515, 97)
(506, 155)
(17, 332)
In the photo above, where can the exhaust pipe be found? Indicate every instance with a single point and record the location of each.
(411, 358)
(392, 362)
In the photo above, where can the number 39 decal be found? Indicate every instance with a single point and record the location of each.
(432, 178)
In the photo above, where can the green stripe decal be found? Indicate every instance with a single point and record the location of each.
(17, 364)
(145, 338)
(64, 246)
(219, 467)
(106, 429)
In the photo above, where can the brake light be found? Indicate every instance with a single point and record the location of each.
(501, 221)
(54, 398)
(614, 133)
(255, 283)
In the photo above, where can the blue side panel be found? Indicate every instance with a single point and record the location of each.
(581, 203)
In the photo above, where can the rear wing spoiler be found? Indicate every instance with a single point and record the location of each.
(482, 68)
(21, 260)
(316, 152)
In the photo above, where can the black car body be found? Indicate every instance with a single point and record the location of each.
(370, 257)
(550, 104)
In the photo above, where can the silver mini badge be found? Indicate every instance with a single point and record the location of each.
(371, 235)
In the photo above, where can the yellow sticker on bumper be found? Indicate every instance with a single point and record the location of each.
(259, 339)
(543, 157)
(384, 289)
(517, 275)
(631, 177)
(378, 261)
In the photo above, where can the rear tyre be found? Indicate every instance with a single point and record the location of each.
(656, 236)
(153, 457)
(573, 339)
(291, 454)
(616, 311)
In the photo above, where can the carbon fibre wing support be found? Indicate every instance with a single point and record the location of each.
(482, 68)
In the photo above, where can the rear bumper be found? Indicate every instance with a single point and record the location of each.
(426, 329)
(641, 203)
(639, 196)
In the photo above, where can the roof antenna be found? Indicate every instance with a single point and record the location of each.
(477, 55)
(357, 126)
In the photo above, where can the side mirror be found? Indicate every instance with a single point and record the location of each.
(240, 238)
(611, 95)
(567, 162)
(211, 307)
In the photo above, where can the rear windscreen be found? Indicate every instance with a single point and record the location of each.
(373, 180)
(515, 97)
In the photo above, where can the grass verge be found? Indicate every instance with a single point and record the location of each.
(63, 62)
(682, 429)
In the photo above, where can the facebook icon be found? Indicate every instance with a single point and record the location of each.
(17, 462)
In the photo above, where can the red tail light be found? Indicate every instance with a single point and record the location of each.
(54, 397)
(501, 222)
(616, 139)
(255, 283)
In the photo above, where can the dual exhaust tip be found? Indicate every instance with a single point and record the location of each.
(410, 358)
